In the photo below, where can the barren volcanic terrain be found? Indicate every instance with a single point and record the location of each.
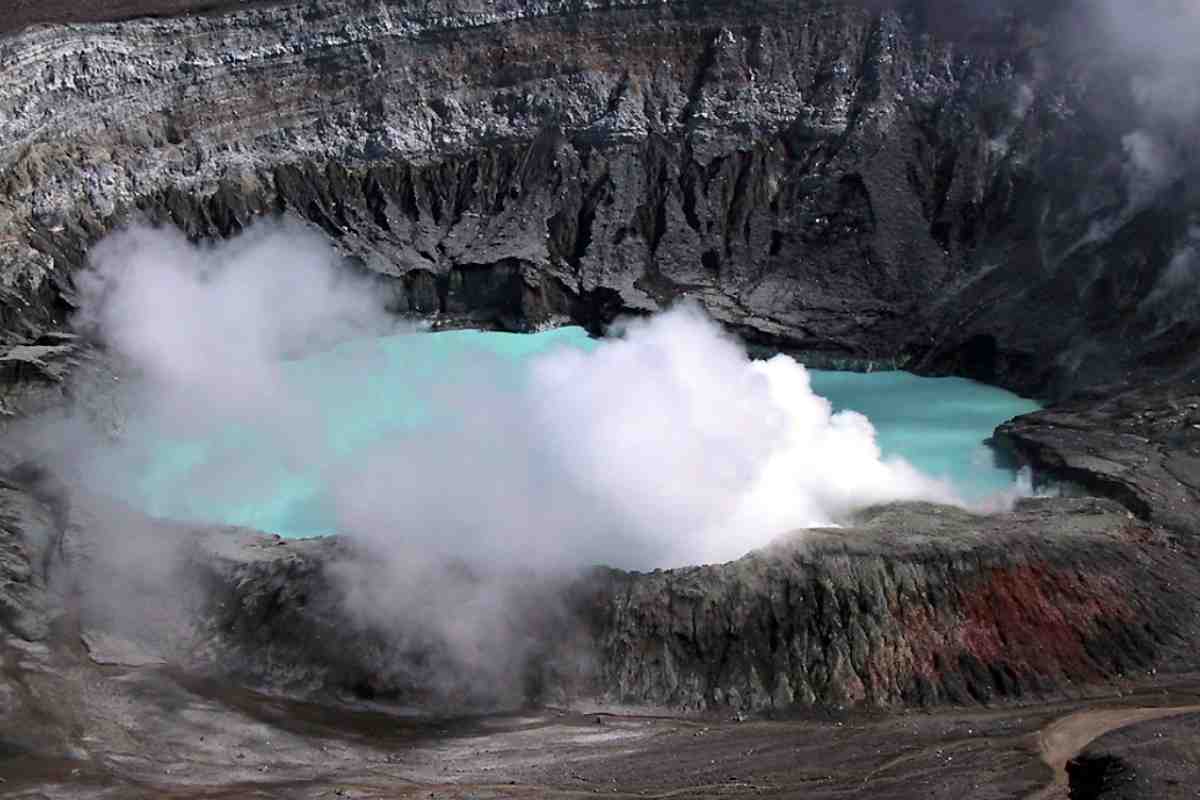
(994, 191)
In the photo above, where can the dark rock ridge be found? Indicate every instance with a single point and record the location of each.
(914, 606)
(1140, 446)
(912, 183)
(26, 546)
(123, 671)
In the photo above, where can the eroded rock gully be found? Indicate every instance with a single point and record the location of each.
(859, 182)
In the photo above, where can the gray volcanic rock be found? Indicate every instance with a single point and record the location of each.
(917, 605)
(28, 536)
(1140, 446)
(1158, 759)
(151, 629)
(875, 182)
(920, 605)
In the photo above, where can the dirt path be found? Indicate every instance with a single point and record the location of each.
(1065, 738)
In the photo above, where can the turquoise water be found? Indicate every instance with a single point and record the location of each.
(937, 424)
(274, 478)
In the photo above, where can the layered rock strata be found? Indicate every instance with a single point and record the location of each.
(902, 183)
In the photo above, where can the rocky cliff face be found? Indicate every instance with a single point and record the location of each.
(916, 606)
(913, 605)
(859, 182)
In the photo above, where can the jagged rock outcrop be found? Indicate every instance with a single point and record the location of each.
(860, 182)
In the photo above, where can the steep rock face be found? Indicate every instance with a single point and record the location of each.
(828, 177)
(911, 605)
(918, 605)
(28, 535)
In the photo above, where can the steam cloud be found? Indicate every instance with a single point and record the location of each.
(663, 446)
(1156, 41)
(208, 326)
(1154, 44)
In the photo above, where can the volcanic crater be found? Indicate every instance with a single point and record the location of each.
(996, 191)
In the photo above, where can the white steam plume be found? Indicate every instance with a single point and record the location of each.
(215, 321)
(664, 446)
(1155, 40)
(661, 447)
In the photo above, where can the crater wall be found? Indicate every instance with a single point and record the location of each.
(912, 183)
